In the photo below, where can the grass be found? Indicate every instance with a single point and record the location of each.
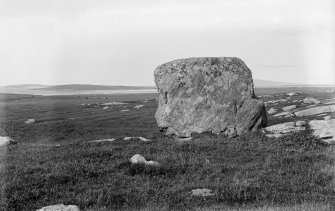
(250, 172)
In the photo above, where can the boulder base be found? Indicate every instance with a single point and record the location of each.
(207, 95)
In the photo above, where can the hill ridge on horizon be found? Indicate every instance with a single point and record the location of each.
(257, 83)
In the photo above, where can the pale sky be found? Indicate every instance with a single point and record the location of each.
(121, 42)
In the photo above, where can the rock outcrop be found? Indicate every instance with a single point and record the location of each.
(324, 129)
(315, 111)
(207, 95)
(279, 130)
(311, 100)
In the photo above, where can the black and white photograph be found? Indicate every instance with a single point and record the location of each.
(159, 105)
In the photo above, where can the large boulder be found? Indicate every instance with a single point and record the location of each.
(207, 95)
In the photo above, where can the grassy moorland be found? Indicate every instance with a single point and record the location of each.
(251, 172)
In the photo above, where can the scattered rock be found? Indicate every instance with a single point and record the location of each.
(207, 95)
(143, 139)
(275, 135)
(231, 132)
(327, 117)
(315, 110)
(300, 123)
(125, 110)
(57, 145)
(139, 159)
(127, 138)
(60, 207)
(103, 140)
(5, 141)
(138, 106)
(286, 127)
(30, 121)
(311, 100)
(276, 101)
(113, 103)
(106, 107)
(140, 138)
(183, 138)
(272, 111)
(288, 108)
(291, 94)
(285, 113)
(153, 163)
(324, 129)
(202, 192)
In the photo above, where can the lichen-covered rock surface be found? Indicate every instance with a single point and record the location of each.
(207, 95)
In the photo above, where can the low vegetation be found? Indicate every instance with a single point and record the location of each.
(246, 172)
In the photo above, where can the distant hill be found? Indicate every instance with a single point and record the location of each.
(78, 87)
(25, 86)
(265, 83)
(82, 87)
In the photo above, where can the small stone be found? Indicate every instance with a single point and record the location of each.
(288, 108)
(231, 133)
(29, 121)
(272, 111)
(153, 163)
(327, 117)
(125, 110)
(300, 123)
(276, 135)
(5, 141)
(103, 140)
(140, 138)
(138, 106)
(202, 192)
(183, 138)
(291, 93)
(113, 103)
(285, 113)
(106, 107)
(143, 139)
(138, 159)
(60, 207)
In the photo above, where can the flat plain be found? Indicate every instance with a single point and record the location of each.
(54, 161)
